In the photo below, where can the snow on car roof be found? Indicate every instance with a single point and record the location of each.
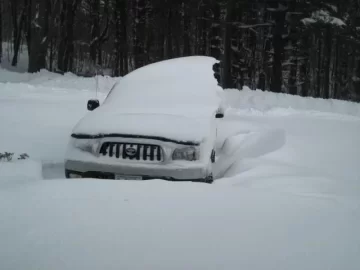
(181, 82)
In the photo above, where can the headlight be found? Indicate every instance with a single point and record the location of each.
(87, 145)
(188, 153)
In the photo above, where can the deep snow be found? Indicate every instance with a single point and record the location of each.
(287, 197)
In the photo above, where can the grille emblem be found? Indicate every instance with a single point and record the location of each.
(145, 152)
(130, 151)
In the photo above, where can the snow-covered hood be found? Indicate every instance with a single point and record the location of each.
(169, 126)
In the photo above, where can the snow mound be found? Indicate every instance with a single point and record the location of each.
(48, 79)
(19, 171)
(285, 104)
(247, 145)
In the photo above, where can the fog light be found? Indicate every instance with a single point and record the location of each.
(187, 153)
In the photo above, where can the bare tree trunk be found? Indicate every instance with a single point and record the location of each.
(293, 59)
(18, 23)
(318, 69)
(69, 48)
(276, 78)
(46, 35)
(304, 80)
(39, 36)
(28, 23)
(95, 29)
(355, 95)
(104, 35)
(186, 30)
(201, 30)
(215, 48)
(97, 38)
(336, 70)
(124, 40)
(66, 46)
(169, 44)
(149, 37)
(62, 36)
(326, 93)
(120, 50)
(117, 64)
(139, 33)
(226, 71)
(293, 75)
(51, 55)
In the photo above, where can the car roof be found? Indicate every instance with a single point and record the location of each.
(185, 82)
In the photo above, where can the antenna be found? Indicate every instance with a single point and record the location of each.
(98, 70)
(96, 83)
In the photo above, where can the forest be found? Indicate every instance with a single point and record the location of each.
(300, 47)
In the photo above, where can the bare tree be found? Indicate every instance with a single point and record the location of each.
(18, 13)
(226, 64)
(39, 32)
(139, 14)
(120, 64)
(278, 44)
(66, 46)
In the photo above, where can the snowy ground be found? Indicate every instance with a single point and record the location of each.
(287, 194)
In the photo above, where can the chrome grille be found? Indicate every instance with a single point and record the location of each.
(131, 151)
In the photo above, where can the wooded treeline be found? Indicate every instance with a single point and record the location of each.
(304, 47)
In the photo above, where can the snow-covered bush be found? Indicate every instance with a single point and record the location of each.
(8, 157)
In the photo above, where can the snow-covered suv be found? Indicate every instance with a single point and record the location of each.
(157, 122)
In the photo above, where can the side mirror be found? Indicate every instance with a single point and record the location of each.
(93, 104)
(219, 115)
(217, 72)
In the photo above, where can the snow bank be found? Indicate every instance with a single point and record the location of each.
(67, 81)
(285, 104)
(19, 171)
(247, 145)
(38, 120)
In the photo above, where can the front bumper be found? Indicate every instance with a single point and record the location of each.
(83, 169)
